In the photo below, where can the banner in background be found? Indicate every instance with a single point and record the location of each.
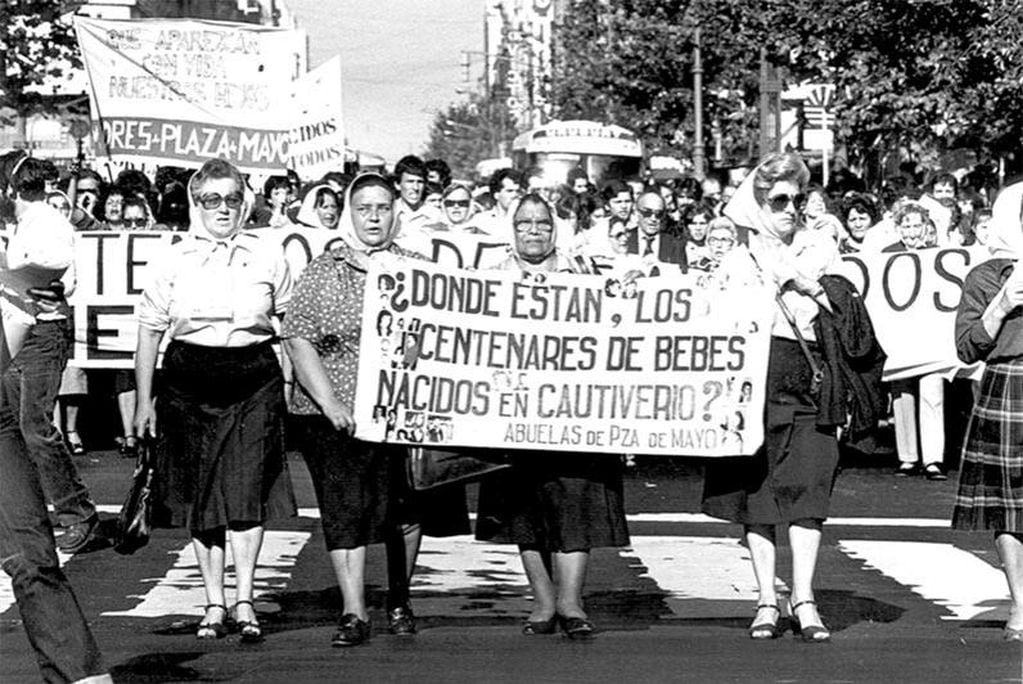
(561, 362)
(316, 142)
(912, 299)
(182, 91)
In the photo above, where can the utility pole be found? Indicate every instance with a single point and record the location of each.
(699, 149)
(770, 106)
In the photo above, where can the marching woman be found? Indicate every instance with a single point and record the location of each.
(989, 328)
(556, 507)
(219, 460)
(789, 479)
(360, 486)
(319, 208)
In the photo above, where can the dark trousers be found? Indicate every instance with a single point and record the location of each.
(28, 393)
(54, 622)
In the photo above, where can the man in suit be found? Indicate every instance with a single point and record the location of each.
(649, 239)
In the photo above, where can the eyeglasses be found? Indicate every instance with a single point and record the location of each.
(139, 222)
(541, 226)
(211, 202)
(721, 241)
(457, 203)
(89, 191)
(651, 213)
(781, 202)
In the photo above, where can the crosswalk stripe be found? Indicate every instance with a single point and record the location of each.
(179, 591)
(941, 573)
(465, 577)
(695, 571)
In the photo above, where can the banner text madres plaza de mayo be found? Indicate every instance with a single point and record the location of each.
(572, 363)
(166, 90)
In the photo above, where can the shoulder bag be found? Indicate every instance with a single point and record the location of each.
(134, 524)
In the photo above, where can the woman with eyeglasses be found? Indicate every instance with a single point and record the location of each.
(219, 418)
(788, 480)
(459, 209)
(555, 507)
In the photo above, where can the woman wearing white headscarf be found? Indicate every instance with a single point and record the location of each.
(319, 208)
(989, 328)
(360, 486)
(789, 479)
(220, 453)
(555, 507)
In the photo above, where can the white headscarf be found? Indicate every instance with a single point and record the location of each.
(1006, 240)
(307, 211)
(346, 225)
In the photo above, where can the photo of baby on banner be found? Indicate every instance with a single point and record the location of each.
(655, 365)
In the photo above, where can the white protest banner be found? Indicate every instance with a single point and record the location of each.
(182, 91)
(317, 138)
(912, 299)
(566, 363)
(113, 269)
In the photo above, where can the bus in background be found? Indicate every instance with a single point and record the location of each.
(603, 151)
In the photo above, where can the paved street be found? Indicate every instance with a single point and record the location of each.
(908, 599)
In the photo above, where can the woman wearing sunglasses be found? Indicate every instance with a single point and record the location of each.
(458, 207)
(788, 480)
(220, 453)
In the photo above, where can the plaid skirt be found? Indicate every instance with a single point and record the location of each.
(990, 493)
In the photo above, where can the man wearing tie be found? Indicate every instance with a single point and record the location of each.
(649, 240)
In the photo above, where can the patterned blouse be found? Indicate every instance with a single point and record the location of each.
(326, 310)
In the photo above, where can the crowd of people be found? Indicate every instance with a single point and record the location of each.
(218, 415)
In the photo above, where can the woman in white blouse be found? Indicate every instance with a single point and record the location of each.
(219, 458)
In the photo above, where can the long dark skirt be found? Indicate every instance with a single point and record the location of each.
(991, 475)
(362, 489)
(220, 459)
(554, 502)
(791, 476)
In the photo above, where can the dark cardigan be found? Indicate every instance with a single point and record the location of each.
(853, 360)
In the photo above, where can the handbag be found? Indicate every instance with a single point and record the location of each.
(134, 524)
(429, 468)
(818, 372)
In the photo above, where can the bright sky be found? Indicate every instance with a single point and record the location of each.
(400, 63)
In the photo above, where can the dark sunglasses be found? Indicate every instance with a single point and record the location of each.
(136, 222)
(651, 213)
(457, 203)
(211, 202)
(781, 202)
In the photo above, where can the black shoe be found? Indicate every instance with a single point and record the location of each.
(533, 627)
(907, 469)
(401, 621)
(351, 631)
(577, 628)
(129, 448)
(77, 536)
(934, 472)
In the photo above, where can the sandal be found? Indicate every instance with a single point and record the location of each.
(814, 634)
(74, 443)
(767, 629)
(212, 629)
(250, 631)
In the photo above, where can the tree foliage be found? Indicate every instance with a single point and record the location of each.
(35, 44)
(935, 74)
(468, 131)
